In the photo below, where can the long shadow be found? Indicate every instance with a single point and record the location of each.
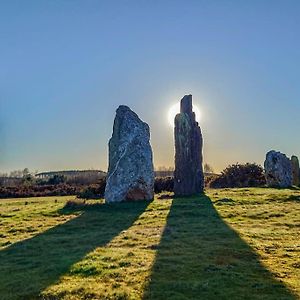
(201, 257)
(29, 266)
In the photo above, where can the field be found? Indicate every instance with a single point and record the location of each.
(228, 244)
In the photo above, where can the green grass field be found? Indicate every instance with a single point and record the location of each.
(229, 244)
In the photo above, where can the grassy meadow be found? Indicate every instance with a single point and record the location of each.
(227, 244)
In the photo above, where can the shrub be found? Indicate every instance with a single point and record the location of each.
(164, 184)
(93, 191)
(209, 178)
(38, 191)
(239, 175)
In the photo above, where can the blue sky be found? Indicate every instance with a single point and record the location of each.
(65, 66)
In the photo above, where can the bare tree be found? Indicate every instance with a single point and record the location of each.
(25, 172)
(208, 168)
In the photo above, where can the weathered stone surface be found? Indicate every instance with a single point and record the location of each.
(295, 170)
(130, 173)
(278, 170)
(188, 175)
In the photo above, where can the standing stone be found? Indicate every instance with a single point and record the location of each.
(188, 175)
(278, 170)
(295, 170)
(130, 172)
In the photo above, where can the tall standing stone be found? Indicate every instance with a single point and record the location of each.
(130, 172)
(278, 170)
(188, 175)
(295, 170)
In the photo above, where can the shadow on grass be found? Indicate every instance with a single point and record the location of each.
(291, 188)
(201, 257)
(30, 266)
(292, 198)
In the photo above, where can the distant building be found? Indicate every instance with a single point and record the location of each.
(70, 173)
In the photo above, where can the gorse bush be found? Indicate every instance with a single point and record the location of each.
(209, 178)
(239, 175)
(93, 191)
(38, 191)
(164, 184)
(44, 189)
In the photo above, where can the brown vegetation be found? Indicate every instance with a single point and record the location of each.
(238, 175)
(24, 191)
(164, 184)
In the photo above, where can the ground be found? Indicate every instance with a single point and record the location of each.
(227, 244)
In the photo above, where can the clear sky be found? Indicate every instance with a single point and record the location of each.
(65, 66)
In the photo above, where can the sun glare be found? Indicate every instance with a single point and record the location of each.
(175, 109)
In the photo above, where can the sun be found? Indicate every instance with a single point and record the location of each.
(175, 109)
